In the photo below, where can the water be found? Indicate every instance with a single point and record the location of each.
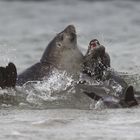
(70, 124)
(26, 27)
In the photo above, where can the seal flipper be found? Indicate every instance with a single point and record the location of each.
(2, 77)
(92, 95)
(11, 75)
(129, 97)
(8, 76)
(108, 101)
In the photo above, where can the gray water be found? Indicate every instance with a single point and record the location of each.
(26, 27)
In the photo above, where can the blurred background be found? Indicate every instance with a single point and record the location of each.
(27, 26)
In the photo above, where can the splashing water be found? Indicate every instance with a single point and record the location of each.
(54, 88)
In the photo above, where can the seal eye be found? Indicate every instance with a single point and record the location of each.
(59, 45)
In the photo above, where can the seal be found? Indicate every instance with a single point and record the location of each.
(112, 101)
(99, 51)
(61, 53)
(97, 66)
(96, 60)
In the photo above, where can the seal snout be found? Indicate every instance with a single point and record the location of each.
(70, 29)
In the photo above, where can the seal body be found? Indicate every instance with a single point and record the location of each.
(61, 53)
(97, 66)
(96, 60)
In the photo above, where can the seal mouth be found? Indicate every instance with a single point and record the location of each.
(97, 52)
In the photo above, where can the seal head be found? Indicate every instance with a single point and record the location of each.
(62, 51)
(96, 60)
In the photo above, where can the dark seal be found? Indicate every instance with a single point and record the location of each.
(96, 60)
(97, 66)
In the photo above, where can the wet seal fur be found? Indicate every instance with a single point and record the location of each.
(96, 65)
(61, 53)
(96, 60)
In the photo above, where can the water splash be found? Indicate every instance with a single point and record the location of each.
(54, 88)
